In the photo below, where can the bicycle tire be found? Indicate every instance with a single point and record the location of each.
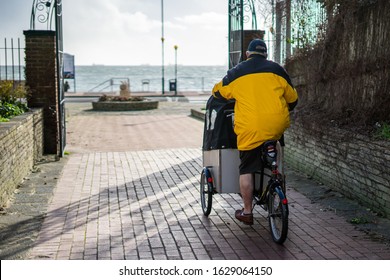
(206, 191)
(278, 214)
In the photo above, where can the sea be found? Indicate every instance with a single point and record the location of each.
(102, 78)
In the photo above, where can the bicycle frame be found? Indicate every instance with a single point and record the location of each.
(272, 197)
(275, 178)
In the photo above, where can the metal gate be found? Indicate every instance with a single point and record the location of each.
(49, 14)
(242, 14)
(60, 75)
(236, 25)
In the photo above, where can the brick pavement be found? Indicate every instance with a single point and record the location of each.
(141, 201)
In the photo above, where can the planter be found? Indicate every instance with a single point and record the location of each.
(124, 105)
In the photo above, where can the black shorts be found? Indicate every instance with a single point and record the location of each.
(251, 160)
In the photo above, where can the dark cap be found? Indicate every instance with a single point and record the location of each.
(258, 46)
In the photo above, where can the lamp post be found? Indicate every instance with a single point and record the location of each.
(162, 45)
(175, 47)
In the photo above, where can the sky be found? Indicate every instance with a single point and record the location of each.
(128, 32)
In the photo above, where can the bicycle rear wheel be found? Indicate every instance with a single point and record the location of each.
(278, 214)
(206, 191)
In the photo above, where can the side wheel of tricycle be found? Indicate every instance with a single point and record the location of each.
(206, 190)
(278, 214)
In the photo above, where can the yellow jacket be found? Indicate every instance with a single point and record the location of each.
(264, 93)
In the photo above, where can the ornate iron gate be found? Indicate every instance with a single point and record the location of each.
(49, 14)
(236, 25)
(242, 14)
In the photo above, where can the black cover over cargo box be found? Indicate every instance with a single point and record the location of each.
(218, 128)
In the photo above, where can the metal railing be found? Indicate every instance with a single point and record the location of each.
(12, 61)
(140, 84)
(110, 83)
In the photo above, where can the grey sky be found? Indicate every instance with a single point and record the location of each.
(128, 32)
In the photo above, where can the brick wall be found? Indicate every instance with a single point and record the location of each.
(41, 78)
(353, 165)
(21, 145)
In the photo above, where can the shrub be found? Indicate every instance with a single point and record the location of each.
(120, 98)
(11, 96)
(11, 109)
(11, 91)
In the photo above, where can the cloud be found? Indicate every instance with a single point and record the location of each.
(129, 31)
(107, 34)
(139, 22)
(210, 20)
(202, 40)
(14, 18)
(120, 32)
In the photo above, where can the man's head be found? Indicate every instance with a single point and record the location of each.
(257, 46)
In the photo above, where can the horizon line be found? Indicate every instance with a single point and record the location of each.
(154, 65)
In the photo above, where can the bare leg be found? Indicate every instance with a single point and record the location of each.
(246, 189)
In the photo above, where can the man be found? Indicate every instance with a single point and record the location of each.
(264, 95)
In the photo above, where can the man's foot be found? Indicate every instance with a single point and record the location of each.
(243, 217)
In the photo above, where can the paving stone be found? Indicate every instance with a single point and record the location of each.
(135, 195)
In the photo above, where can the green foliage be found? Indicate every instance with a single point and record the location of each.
(11, 109)
(11, 91)
(5, 90)
(359, 221)
(383, 131)
(11, 95)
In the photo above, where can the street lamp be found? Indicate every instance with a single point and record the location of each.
(175, 47)
(162, 44)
